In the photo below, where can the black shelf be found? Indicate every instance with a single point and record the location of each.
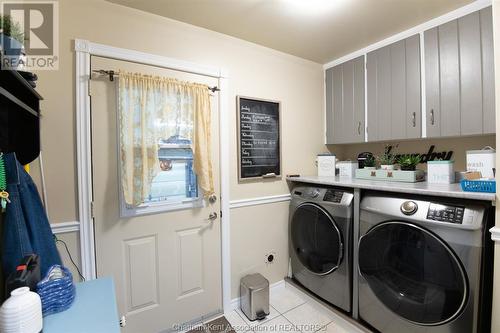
(19, 117)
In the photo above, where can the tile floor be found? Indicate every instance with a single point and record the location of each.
(292, 312)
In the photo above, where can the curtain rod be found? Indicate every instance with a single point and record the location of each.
(111, 74)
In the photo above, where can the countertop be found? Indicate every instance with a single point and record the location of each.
(442, 190)
(94, 310)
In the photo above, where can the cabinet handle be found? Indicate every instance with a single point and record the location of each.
(432, 116)
(414, 119)
(359, 128)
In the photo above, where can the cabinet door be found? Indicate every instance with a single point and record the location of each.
(471, 99)
(371, 96)
(393, 83)
(338, 104)
(348, 98)
(432, 86)
(356, 120)
(379, 94)
(329, 104)
(413, 88)
(488, 72)
(345, 102)
(450, 79)
(397, 117)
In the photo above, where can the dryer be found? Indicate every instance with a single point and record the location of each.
(320, 238)
(424, 264)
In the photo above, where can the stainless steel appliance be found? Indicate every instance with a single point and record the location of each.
(320, 238)
(424, 264)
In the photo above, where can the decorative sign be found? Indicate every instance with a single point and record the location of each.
(259, 138)
(429, 156)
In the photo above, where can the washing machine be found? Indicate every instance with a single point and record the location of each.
(424, 264)
(320, 238)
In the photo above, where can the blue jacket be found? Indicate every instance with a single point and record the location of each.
(26, 228)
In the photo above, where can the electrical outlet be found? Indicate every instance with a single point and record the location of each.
(270, 257)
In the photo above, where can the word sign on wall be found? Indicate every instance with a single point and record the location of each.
(431, 155)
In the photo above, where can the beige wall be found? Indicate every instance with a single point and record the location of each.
(458, 145)
(259, 231)
(495, 324)
(72, 240)
(253, 71)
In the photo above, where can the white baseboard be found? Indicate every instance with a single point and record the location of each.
(235, 302)
(64, 227)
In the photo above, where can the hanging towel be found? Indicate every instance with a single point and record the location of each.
(26, 228)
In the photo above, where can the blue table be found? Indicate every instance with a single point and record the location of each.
(93, 311)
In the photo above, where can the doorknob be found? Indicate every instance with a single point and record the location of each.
(212, 216)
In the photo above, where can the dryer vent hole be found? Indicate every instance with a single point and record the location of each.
(270, 258)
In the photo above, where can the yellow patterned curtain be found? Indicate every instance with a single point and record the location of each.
(153, 108)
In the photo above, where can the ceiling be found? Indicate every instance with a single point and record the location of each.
(318, 30)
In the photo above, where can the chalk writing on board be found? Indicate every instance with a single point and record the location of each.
(259, 138)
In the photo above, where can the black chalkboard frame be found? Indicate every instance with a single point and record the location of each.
(277, 175)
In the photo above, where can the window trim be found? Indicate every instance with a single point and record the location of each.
(158, 207)
(154, 207)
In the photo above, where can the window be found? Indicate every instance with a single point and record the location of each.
(174, 186)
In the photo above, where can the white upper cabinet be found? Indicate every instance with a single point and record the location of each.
(345, 102)
(393, 91)
(457, 76)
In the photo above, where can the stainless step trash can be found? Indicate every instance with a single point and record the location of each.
(254, 293)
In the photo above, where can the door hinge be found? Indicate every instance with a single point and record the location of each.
(89, 85)
(92, 209)
(220, 213)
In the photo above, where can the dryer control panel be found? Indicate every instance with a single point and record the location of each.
(445, 213)
(333, 196)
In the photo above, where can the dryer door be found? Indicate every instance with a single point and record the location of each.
(413, 272)
(316, 239)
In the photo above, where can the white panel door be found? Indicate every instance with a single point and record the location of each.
(166, 266)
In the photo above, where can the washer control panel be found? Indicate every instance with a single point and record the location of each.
(333, 196)
(445, 213)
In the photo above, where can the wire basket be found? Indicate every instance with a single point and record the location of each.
(478, 185)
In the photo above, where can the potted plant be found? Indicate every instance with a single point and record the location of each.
(11, 38)
(369, 162)
(409, 162)
(386, 161)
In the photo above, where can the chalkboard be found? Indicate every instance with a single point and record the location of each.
(259, 138)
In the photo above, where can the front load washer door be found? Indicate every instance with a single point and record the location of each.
(413, 272)
(316, 239)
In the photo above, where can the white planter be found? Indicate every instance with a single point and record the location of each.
(347, 169)
(326, 165)
(21, 312)
(387, 167)
(440, 172)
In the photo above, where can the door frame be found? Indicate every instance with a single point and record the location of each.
(84, 49)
